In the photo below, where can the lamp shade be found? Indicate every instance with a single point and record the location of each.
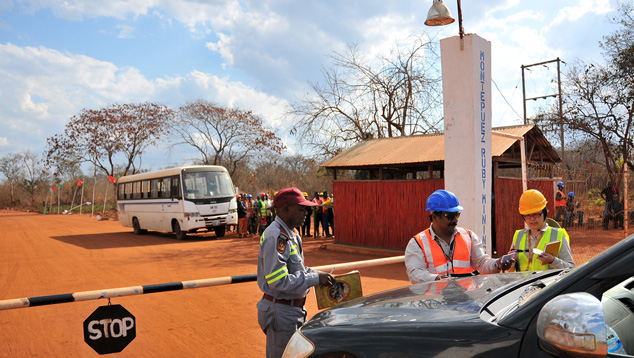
(439, 14)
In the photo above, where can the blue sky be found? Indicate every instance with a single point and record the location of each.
(57, 57)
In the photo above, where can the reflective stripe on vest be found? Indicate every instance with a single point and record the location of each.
(520, 242)
(262, 208)
(435, 258)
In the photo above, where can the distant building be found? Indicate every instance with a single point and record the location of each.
(381, 201)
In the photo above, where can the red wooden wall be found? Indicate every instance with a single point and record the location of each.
(386, 214)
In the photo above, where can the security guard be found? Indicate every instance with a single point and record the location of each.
(281, 272)
(533, 209)
(445, 249)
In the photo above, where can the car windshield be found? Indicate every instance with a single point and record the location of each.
(207, 185)
(519, 295)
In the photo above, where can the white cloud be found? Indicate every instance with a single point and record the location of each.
(223, 47)
(48, 87)
(584, 7)
(80, 9)
(125, 31)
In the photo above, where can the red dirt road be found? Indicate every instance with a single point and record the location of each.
(55, 254)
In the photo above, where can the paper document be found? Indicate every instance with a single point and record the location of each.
(346, 287)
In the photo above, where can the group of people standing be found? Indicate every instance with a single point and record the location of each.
(441, 251)
(445, 249)
(255, 215)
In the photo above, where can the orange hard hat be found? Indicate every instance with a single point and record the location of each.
(532, 201)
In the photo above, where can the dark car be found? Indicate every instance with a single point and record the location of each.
(527, 314)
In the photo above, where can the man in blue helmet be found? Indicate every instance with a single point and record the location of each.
(445, 249)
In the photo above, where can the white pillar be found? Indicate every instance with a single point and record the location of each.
(466, 80)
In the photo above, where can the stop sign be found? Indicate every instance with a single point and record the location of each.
(109, 329)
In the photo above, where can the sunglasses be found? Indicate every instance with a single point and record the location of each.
(449, 216)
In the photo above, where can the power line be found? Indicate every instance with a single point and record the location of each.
(507, 102)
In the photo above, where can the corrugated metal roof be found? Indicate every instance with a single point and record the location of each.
(416, 149)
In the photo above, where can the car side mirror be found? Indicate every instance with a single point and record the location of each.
(573, 325)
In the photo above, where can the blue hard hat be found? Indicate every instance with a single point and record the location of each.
(571, 194)
(561, 184)
(443, 200)
(249, 196)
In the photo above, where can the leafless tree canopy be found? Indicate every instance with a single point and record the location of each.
(97, 136)
(395, 95)
(599, 99)
(223, 136)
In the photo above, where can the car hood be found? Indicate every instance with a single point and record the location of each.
(453, 299)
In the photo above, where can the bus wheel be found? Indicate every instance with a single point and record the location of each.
(220, 231)
(180, 234)
(137, 227)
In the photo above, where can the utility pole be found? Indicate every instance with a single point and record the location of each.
(561, 117)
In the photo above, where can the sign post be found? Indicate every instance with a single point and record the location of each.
(109, 329)
(466, 81)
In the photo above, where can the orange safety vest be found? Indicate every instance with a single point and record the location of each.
(435, 258)
(562, 201)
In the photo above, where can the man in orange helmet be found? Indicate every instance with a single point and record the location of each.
(533, 210)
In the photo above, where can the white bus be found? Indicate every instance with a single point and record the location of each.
(179, 200)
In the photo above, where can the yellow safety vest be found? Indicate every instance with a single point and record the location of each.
(527, 261)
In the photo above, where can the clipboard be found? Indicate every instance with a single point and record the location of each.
(346, 287)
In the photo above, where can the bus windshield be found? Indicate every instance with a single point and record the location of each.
(207, 185)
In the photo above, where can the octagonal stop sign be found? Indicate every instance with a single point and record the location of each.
(109, 329)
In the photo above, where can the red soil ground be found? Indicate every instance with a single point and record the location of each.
(55, 254)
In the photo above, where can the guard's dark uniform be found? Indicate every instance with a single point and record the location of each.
(285, 283)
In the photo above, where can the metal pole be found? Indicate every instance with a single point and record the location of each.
(561, 120)
(172, 286)
(460, 28)
(524, 94)
(626, 212)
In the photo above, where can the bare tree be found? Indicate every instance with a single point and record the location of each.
(223, 136)
(98, 136)
(395, 95)
(11, 168)
(599, 99)
(34, 173)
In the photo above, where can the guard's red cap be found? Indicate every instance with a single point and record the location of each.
(289, 196)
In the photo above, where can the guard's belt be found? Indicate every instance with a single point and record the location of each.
(298, 302)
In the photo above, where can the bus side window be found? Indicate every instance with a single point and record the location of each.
(165, 187)
(136, 190)
(155, 189)
(175, 188)
(120, 191)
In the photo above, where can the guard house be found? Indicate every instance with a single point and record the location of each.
(381, 185)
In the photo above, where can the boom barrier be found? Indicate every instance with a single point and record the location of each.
(172, 286)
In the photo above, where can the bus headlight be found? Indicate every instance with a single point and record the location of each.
(233, 211)
(192, 215)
